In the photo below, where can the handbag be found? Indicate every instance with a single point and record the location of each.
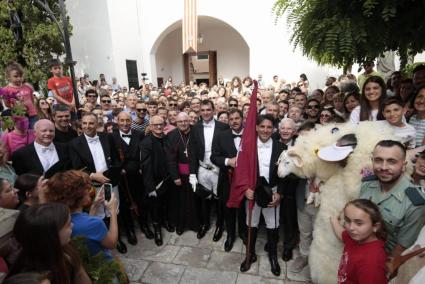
(263, 193)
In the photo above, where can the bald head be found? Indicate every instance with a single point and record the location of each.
(156, 124)
(124, 115)
(156, 119)
(44, 132)
(182, 116)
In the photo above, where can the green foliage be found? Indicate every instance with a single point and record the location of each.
(99, 269)
(408, 69)
(343, 32)
(41, 39)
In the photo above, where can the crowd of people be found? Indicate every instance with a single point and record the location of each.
(164, 157)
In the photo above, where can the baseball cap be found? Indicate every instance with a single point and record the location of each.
(340, 150)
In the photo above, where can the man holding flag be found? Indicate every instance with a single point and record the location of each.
(257, 157)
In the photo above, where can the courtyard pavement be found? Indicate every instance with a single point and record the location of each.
(185, 259)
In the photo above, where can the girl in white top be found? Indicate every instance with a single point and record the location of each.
(418, 120)
(373, 93)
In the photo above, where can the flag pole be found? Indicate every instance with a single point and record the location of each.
(248, 243)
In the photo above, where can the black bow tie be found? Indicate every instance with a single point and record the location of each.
(126, 135)
(236, 136)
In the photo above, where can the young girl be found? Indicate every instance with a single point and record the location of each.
(44, 233)
(18, 91)
(373, 94)
(363, 259)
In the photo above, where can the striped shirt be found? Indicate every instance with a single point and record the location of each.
(419, 125)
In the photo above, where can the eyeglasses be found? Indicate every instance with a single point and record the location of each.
(142, 109)
(182, 121)
(158, 125)
(106, 101)
(313, 106)
(233, 105)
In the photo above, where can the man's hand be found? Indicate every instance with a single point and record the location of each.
(275, 200)
(178, 182)
(42, 189)
(249, 194)
(231, 162)
(193, 181)
(99, 177)
(152, 194)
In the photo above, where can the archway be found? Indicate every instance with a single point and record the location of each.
(216, 39)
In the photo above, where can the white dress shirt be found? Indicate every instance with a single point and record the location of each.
(237, 142)
(264, 156)
(126, 139)
(47, 154)
(208, 137)
(97, 153)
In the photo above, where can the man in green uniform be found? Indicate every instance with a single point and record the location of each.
(401, 203)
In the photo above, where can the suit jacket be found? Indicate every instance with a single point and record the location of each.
(81, 156)
(277, 149)
(223, 147)
(131, 151)
(26, 160)
(197, 143)
(153, 163)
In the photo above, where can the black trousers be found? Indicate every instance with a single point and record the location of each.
(289, 223)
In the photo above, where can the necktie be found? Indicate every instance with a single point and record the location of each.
(236, 136)
(93, 139)
(126, 135)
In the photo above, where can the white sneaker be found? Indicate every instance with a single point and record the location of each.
(299, 263)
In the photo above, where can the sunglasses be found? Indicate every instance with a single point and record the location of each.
(106, 101)
(142, 109)
(172, 105)
(312, 106)
(325, 115)
(233, 105)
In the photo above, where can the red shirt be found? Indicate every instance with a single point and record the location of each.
(62, 86)
(362, 263)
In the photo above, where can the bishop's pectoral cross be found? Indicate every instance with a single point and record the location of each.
(185, 152)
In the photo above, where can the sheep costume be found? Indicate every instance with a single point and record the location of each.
(339, 185)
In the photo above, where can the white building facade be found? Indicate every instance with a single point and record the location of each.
(124, 38)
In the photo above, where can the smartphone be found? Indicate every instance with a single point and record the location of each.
(107, 189)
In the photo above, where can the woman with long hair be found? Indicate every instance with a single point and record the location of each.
(44, 233)
(236, 89)
(418, 119)
(44, 110)
(373, 94)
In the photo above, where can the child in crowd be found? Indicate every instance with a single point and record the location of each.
(19, 93)
(393, 110)
(61, 86)
(363, 259)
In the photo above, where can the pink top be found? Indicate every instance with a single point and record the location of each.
(13, 141)
(168, 128)
(23, 94)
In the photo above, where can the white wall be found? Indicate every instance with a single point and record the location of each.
(232, 53)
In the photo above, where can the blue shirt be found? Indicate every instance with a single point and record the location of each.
(93, 229)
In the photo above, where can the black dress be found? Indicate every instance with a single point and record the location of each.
(178, 166)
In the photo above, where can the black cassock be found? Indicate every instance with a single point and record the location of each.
(178, 167)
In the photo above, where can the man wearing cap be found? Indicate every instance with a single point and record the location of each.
(401, 203)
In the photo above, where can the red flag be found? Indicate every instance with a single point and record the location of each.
(245, 174)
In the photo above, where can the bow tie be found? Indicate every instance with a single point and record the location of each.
(126, 135)
(264, 145)
(236, 136)
(93, 139)
(207, 125)
(51, 147)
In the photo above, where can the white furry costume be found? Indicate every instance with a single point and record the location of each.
(340, 185)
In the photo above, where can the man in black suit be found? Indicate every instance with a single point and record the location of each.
(224, 151)
(126, 143)
(288, 185)
(92, 152)
(43, 156)
(203, 173)
(155, 175)
(268, 152)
